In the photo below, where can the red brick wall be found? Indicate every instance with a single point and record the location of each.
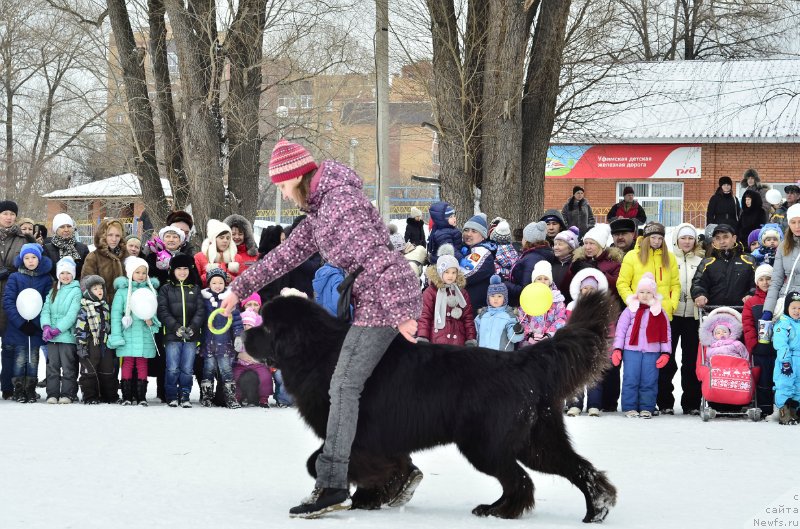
(774, 162)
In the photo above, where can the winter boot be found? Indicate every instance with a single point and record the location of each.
(322, 501)
(206, 393)
(127, 391)
(141, 392)
(230, 396)
(19, 389)
(30, 390)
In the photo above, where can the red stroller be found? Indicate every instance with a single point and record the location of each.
(727, 380)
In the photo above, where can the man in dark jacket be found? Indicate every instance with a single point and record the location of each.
(627, 208)
(723, 207)
(65, 243)
(726, 276)
(478, 260)
(415, 228)
(555, 225)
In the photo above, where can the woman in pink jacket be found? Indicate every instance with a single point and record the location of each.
(344, 227)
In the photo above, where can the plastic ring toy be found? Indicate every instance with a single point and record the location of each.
(224, 328)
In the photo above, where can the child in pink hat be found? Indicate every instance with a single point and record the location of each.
(247, 364)
(721, 332)
(643, 342)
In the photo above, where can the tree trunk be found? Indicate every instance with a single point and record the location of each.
(173, 153)
(539, 102)
(501, 113)
(199, 122)
(139, 112)
(10, 162)
(244, 48)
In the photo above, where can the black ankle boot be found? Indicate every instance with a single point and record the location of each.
(322, 501)
(19, 389)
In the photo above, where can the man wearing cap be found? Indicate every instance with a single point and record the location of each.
(64, 243)
(792, 196)
(724, 207)
(555, 224)
(577, 212)
(726, 276)
(624, 233)
(627, 208)
(478, 261)
(11, 241)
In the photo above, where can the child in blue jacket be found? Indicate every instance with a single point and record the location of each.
(445, 230)
(33, 271)
(496, 324)
(786, 339)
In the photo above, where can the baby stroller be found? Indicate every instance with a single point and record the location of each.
(727, 380)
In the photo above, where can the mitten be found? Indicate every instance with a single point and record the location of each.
(54, 331)
(181, 332)
(786, 368)
(471, 343)
(766, 315)
(29, 328)
(464, 251)
(518, 328)
(238, 346)
(233, 267)
(662, 360)
(188, 333)
(82, 351)
(422, 339)
(616, 357)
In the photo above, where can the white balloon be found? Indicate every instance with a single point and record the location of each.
(29, 303)
(144, 304)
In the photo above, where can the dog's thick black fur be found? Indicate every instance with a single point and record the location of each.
(500, 408)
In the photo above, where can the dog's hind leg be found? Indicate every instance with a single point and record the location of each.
(551, 452)
(491, 459)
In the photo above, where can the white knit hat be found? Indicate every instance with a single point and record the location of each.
(131, 265)
(600, 234)
(542, 268)
(793, 212)
(66, 264)
(214, 229)
(62, 219)
(763, 270)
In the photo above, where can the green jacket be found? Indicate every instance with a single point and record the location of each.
(62, 312)
(137, 340)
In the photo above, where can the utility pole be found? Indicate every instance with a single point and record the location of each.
(382, 102)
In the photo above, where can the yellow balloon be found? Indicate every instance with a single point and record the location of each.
(536, 299)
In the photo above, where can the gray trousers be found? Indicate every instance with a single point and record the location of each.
(62, 370)
(362, 349)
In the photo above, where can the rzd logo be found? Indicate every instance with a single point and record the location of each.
(685, 171)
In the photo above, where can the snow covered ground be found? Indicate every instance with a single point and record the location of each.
(122, 467)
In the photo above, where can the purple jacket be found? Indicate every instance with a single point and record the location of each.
(622, 337)
(346, 229)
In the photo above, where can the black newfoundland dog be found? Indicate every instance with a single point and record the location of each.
(500, 408)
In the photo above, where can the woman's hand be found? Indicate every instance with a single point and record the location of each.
(229, 303)
(408, 329)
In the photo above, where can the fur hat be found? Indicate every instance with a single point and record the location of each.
(770, 230)
(535, 232)
(501, 234)
(622, 226)
(91, 280)
(496, 286)
(217, 272)
(62, 219)
(753, 237)
(600, 234)
(66, 264)
(9, 205)
(725, 316)
(444, 263)
(478, 223)
(627, 191)
(750, 173)
(30, 247)
(244, 226)
(647, 283)
(575, 189)
(251, 318)
(171, 229)
(763, 270)
(252, 297)
(181, 260)
(289, 160)
(214, 229)
(415, 212)
(542, 268)
(180, 216)
(569, 236)
(725, 180)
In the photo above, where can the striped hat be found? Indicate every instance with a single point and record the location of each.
(289, 160)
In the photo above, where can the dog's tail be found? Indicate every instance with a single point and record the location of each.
(578, 353)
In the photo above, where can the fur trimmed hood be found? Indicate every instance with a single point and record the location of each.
(436, 281)
(729, 317)
(244, 225)
(577, 279)
(612, 253)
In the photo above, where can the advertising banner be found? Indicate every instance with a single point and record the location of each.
(623, 162)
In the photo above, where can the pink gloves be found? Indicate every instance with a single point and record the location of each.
(616, 357)
(48, 333)
(662, 360)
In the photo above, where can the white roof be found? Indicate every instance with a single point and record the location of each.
(687, 101)
(124, 185)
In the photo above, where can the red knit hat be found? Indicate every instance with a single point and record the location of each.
(289, 160)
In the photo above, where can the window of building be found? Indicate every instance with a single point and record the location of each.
(329, 125)
(329, 106)
(120, 118)
(306, 101)
(172, 63)
(287, 101)
(663, 201)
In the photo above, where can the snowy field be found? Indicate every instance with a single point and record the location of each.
(108, 466)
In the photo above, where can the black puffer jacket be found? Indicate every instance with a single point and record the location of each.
(724, 277)
(723, 208)
(180, 305)
(415, 232)
(753, 217)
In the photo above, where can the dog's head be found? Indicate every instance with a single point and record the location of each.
(293, 326)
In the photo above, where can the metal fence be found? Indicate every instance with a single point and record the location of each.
(84, 231)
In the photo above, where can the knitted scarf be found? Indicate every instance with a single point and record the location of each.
(11, 231)
(447, 296)
(66, 247)
(656, 326)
